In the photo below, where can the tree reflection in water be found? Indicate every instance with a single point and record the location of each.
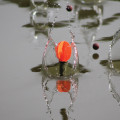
(89, 21)
(90, 18)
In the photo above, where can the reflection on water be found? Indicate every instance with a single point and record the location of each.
(52, 66)
(59, 77)
(89, 19)
(43, 19)
(92, 1)
(54, 86)
(38, 19)
(64, 114)
(49, 3)
(38, 68)
(34, 3)
(114, 57)
(114, 87)
(109, 20)
(114, 80)
(63, 85)
(106, 39)
(91, 16)
(113, 64)
(21, 3)
(95, 56)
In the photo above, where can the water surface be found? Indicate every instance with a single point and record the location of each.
(22, 95)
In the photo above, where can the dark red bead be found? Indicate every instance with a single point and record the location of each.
(69, 8)
(95, 46)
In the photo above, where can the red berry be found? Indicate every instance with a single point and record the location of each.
(69, 8)
(95, 46)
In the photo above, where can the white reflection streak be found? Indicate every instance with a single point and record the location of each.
(112, 70)
(75, 90)
(113, 91)
(76, 58)
(48, 102)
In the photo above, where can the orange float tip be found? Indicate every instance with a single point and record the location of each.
(63, 51)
